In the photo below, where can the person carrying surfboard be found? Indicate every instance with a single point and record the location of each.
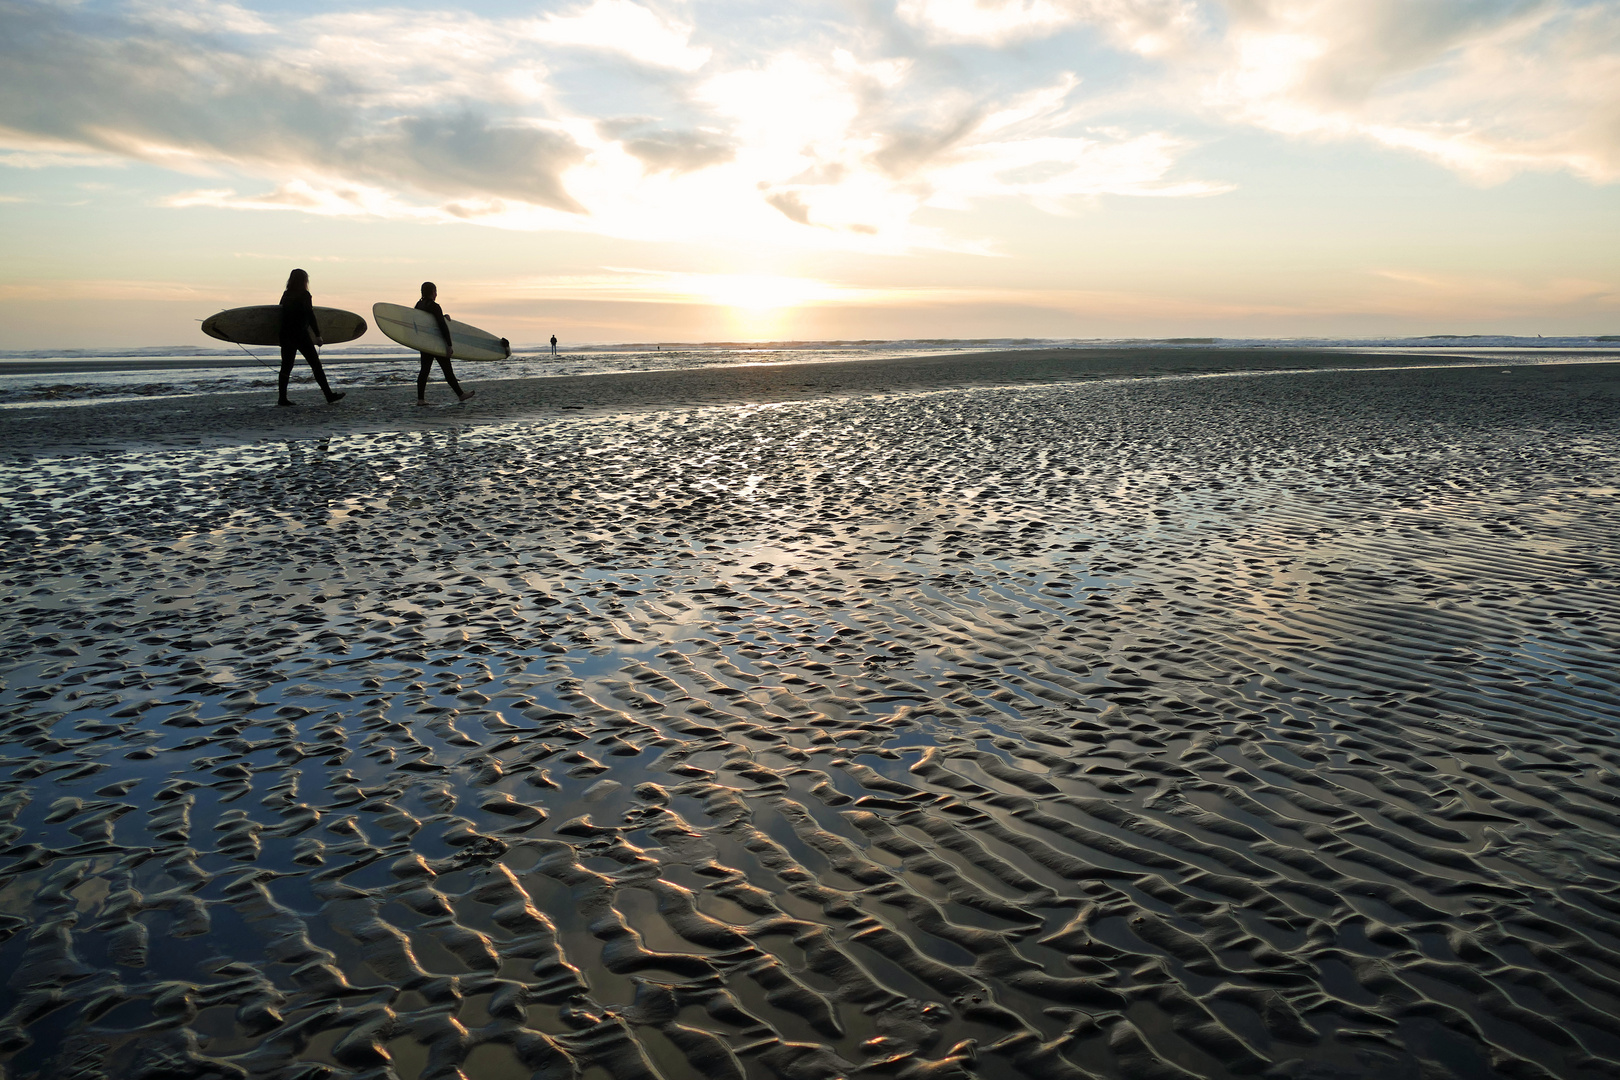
(430, 304)
(300, 334)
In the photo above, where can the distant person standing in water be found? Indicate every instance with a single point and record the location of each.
(553, 344)
(430, 304)
(300, 334)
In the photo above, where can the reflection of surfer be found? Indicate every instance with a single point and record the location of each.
(300, 334)
(429, 304)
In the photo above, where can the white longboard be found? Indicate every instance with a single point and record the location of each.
(261, 325)
(420, 331)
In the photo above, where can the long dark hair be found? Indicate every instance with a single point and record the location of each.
(298, 279)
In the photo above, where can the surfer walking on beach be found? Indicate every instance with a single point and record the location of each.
(300, 334)
(430, 304)
(553, 344)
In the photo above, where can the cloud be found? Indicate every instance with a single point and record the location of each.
(797, 127)
(1488, 88)
(1147, 27)
(643, 286)
(30, 155)
(464, 154)
(670, 151)
(829, 145)
(210, 17)
(791, 205)
(370, 260)
(627, 28)
(441, 116)
(632, 285)
(906, 151)
(1417, 293)
(144, 92)
(107, 289)
(327, 201)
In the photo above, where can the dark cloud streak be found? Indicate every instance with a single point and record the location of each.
(905, 151)
(140, 91)
(661, 150)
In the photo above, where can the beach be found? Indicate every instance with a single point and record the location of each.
(1137, 714)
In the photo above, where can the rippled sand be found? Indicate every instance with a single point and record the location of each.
(1191, 727)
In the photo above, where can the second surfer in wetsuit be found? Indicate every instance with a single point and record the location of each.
(300, 334)
(429, 303)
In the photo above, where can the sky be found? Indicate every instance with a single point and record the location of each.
(687, 170)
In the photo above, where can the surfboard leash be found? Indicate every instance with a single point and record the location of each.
(243, 347)
(267, 367)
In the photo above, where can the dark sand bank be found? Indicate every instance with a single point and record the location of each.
(1215, 728)
(213, 419)
(83, 365)
(1109, 358)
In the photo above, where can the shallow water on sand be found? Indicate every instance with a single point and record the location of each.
(31, 379)
(1207, 727)
(28, 380)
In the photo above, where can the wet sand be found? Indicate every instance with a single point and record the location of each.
(923, 722)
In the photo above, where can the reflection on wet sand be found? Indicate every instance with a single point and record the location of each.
(1204, 728)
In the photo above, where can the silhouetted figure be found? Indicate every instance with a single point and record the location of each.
(299, 334)
(429, 304)
(553, 344)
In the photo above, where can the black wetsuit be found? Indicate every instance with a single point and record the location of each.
(432, 308)
(297, 318)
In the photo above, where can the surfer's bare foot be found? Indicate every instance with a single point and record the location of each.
(421, 401)
(468, 394)
(284, 403)
(339, 396)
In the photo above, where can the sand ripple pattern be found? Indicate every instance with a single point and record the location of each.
(1194, 728)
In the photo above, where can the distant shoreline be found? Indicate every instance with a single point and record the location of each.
(234, 418)
(92, 365)
(190, 357)
(1429, 348)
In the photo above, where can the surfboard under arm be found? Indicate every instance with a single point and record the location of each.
(261, 325)
(419, 330)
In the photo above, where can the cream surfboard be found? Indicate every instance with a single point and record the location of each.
(261, 325)
(420, 331)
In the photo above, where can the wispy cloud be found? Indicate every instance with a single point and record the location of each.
(111, 289)
(621, 26)
(1486, 88)
(210, 17)
(1385, 294)
(1418, 292)
(813, 127)
(339, 201)
(291, 259)
(439, 116)
(55, 158)
(1148, 27)
(151, 91)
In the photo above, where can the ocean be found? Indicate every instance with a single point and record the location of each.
(77, 376)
